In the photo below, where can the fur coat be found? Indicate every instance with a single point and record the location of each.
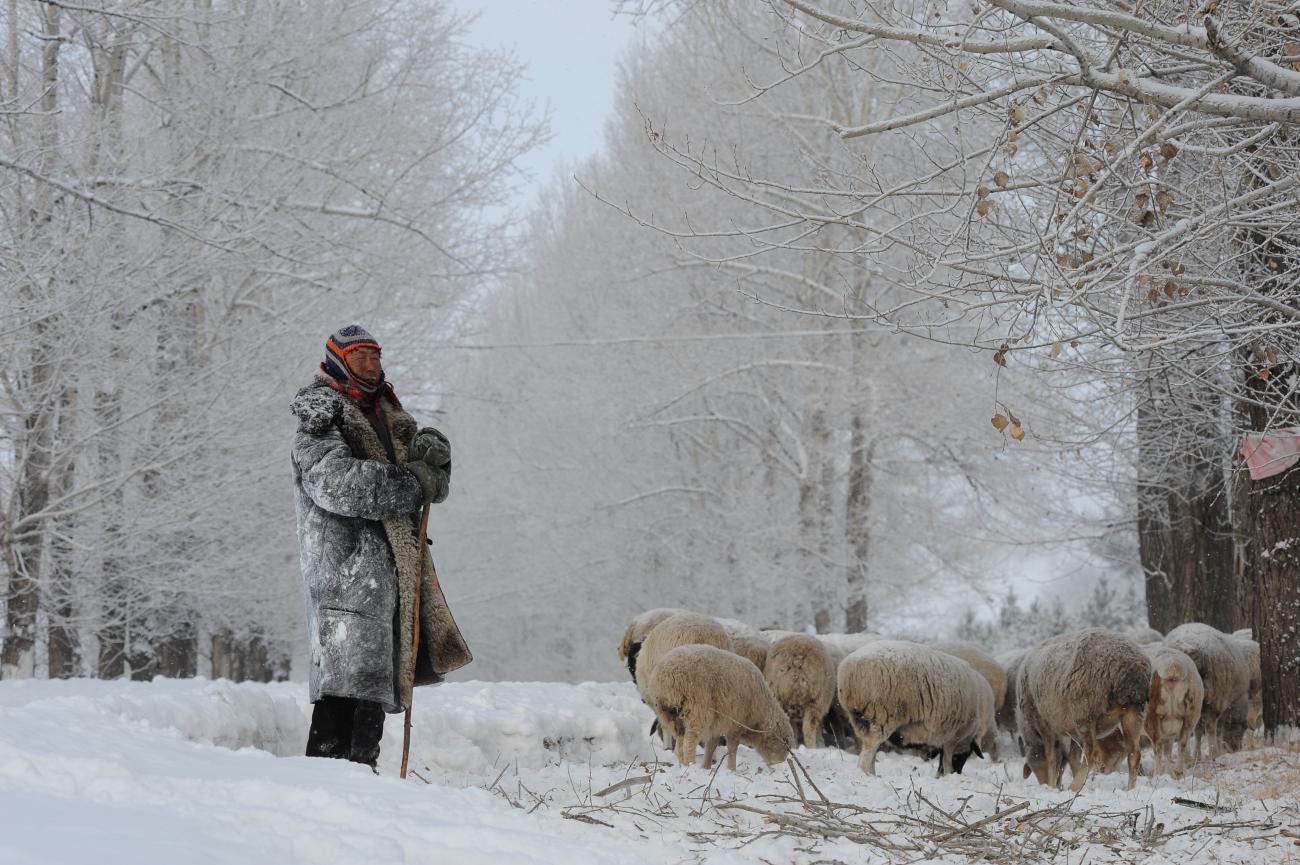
(358, 517)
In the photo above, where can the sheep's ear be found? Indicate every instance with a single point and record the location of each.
(1027, 771)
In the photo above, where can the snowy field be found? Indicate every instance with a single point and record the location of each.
(207, 772)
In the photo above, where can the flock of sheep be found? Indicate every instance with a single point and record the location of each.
(1088, 699)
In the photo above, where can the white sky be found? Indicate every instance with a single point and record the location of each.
(571, 48)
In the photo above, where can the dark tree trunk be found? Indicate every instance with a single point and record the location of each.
(1201, 549)
(1185, 532)
(1275, 516)
(1272, 505)
(1154, 541)
(178, 653)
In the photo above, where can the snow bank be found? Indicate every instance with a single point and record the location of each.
(186, 771)
(207, 772)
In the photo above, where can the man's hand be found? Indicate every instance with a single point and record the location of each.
(432, 447)
(435, 483)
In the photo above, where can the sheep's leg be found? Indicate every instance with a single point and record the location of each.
(994, 747)
(1131, 724)
(870, 742)
(1212, 734)
(1055, 770)
(667, 722)
(1087, 758)
(812, 729)
(710, 746)
(945, 760)
(1185, 757)
(686, 746)
(733, 745)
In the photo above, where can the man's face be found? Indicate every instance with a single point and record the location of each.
(364, 363)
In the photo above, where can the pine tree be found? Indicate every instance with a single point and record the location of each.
(974, 631)
(1103, 609)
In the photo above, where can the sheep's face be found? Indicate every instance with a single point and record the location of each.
(959, 758)
(632, 652)
(773, 745)
(771, 749)
(1036, 763)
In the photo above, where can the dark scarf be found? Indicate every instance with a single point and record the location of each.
(370, 404)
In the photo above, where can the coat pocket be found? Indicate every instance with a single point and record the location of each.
(355, 655)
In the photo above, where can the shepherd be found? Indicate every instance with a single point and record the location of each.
(363, 472)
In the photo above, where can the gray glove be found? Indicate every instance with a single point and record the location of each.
(432, 447)
(435, 483)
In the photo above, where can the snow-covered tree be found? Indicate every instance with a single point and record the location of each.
(195, 193)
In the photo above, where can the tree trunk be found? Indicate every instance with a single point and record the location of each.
(178, 653)
(1185, 533)
(1272, 505)
(1274, 518)
(1201, 548)
(18, 655)
(1154, 542)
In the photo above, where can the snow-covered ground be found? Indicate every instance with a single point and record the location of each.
(207, 772)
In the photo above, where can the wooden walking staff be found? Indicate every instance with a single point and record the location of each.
(415, 640)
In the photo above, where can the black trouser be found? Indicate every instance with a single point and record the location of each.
(347, 729)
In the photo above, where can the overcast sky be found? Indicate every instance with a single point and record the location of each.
(571, 48)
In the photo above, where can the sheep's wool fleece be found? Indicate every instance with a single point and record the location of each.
(358, 521)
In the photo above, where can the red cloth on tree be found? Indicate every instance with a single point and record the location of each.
(1269, 454)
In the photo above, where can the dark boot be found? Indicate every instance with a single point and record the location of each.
(331, 728)
(367, 731)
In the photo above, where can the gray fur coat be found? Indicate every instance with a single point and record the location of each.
(358, 520)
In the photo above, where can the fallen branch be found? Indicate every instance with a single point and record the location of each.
(625, 783)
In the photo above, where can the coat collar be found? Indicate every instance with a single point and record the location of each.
(321, 405)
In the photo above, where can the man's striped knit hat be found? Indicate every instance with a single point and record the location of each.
(344, 340)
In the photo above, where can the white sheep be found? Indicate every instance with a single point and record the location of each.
(802, 676)
(837, 728)
(1225, 672)
(1173, 705)
(706, 693)
(1079, 687)
(840, 646)
(1255, 691)
(993, 673)
(746, 640)
(924, 696)
(1006, 713)
(1145, 636)
(1237, 725)
(679, 629)
(629, 647)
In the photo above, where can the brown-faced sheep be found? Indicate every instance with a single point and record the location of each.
(925, 697)
(1079, 687)
(801, 674)
(993, 673)
(1225, 673)
(1173, 706)
(705, 693)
